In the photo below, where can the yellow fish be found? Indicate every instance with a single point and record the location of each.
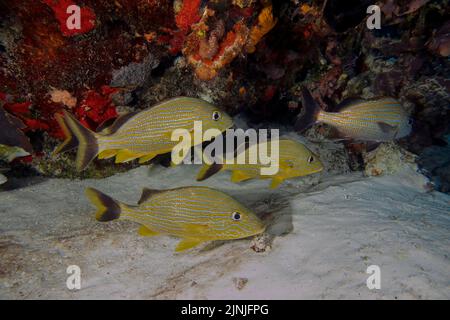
(374, 120)
(144, 134)
(194, 214)
(295, 160)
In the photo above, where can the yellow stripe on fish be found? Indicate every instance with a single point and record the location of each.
(143, 134)
(295, 160)
(376, 120)
(194, 214)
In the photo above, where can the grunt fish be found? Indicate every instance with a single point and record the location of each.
(140, 135)
(376, 120)
(295, 160)
(194, 214)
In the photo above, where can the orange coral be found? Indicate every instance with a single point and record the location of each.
(305, 8)
(230, 47)
(266, 22)
(208, 48)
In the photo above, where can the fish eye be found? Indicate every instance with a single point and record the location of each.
(216, 115)
(236, 216)
(410, 121)
(310, 159)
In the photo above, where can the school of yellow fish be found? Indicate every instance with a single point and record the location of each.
(200, 214)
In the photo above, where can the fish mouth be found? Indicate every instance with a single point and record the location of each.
(259, 231)
(303, 174)
(319, 170)
(232, 125)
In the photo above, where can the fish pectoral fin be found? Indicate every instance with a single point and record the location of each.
(386, 127)
(196, 229)
(238, 176)
(276, 181)
(348, 102)
(286, 165)
(147, 158)
(107, 154)
(146, 232)
(372, 145)
(187, 243)
(125, 156)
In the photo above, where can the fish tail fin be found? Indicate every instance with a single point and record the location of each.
(107, 208)
(207, 171)
(87, 141)
(70, 141)
(310, 114)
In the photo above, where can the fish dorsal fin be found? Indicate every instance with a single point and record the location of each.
(347, 102)
(147, 194)
(103, 128)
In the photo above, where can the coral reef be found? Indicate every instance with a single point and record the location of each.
(388, 158)
(13, 142)
(209, 48)
(434, 161)
(266, 22)
(60, 9)
(11, 134)
(188, 14)
(250, 56)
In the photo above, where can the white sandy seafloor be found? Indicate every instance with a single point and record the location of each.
(324, 235)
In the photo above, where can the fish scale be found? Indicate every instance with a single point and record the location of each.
(195, 214)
